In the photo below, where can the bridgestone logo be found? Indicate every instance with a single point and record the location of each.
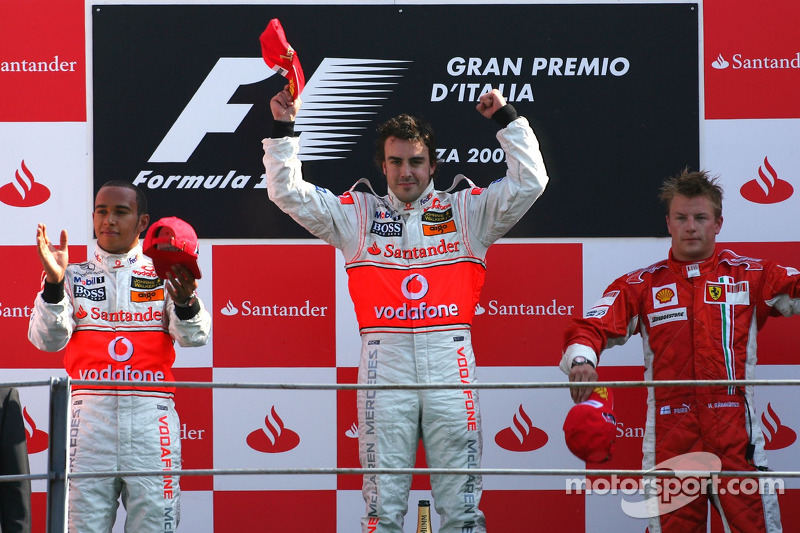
(667, 316)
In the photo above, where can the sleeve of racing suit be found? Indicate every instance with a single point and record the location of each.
(611, 321)
(192, 331)
(781, 291)
(505, 201)
(50, 325)
(316, 209)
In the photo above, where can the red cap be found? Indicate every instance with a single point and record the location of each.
(591, 427)
(172, 241)
(280, 56)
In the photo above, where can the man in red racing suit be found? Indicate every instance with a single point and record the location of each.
(415, 262)
(698, 314)
(118, 321)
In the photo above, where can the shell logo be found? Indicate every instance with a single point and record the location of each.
(665, 295)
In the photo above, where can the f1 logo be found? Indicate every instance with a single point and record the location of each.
(209, 111)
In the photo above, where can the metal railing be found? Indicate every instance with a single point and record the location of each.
(57, 475)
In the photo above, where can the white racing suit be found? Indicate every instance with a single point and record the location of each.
(415, 273)
(117, 322)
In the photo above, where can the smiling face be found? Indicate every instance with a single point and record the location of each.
(117, 223)
(407, 167)
(693, 226)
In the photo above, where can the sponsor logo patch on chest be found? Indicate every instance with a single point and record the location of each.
(145, 283)
(387, 229)
(727, 293)
(96, 294)
(665, 296)
(670, 315)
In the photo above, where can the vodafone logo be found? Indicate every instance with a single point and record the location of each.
(767, 188)
(114, 349)
(24, 191)
(414, 287)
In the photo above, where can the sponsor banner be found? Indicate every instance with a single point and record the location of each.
(348, 340)
(22, 270)
(274, 428)
(779, 422)
(522, 427)
(530, 294)
(42, 62)
(44, 182)
(751, 59)
(275, 306)
(303, 511)
(509, 509)
(760, 172)
(197, 427)
(190, 136)
(347, 429)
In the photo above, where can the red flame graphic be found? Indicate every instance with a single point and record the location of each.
(279, 439)
(81, 312)
(767, 188)
(374, 250)
(777, 435)
(24, 192)
(532, 438)
(36, 439)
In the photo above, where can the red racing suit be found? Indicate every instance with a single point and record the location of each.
(117, 322)
(698, 321)
(415, 273)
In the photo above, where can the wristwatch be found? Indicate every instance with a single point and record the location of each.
(190, 302)
(581, 360)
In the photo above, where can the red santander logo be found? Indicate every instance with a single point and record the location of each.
(276, 439)
(24, 191)
(776, 435)
(522, 436)
(37, 440)
(767, 188)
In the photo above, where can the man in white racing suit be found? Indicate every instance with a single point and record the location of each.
(415, 261)
(118, 321)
